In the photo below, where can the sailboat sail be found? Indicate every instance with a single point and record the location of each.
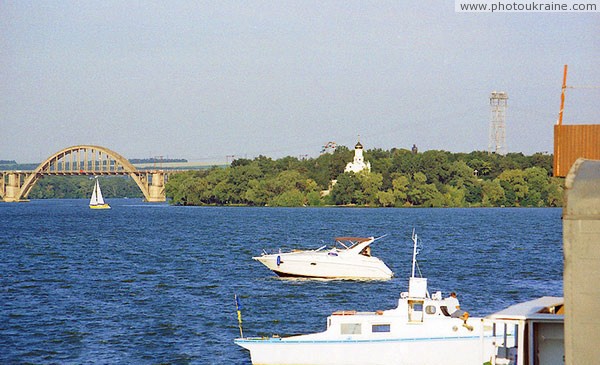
(99, 198)
(94, 198)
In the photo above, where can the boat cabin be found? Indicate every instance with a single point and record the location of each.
(539, 328)
(414, 307)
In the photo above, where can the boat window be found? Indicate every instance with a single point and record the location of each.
(415, 311)
(350, 329)
(430, 309)
(380, 328)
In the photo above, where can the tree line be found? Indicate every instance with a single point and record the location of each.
(74, 187)
(399, 178)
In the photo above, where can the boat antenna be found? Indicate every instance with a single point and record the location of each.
(415, 252)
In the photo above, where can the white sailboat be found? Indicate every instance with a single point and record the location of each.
(97, 200)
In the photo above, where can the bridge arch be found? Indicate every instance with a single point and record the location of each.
(87, 160)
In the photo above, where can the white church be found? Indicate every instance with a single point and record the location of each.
(358, 164)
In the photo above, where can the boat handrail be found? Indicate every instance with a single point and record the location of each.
(344, 313)
(380, 237)
(369, 241)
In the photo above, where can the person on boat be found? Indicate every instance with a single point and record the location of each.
(366, 251)
(454, 308)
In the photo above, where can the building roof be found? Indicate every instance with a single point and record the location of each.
(537, 309)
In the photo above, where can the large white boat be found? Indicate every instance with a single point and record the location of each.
(422, 329)
(97, 200)
(349, 258)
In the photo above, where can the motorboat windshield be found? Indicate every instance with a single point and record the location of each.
(351, 242)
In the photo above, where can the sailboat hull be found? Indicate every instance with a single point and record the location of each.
(100, 206)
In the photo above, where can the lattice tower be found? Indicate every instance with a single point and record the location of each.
(498, 104)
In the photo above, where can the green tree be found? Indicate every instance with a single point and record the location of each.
(405, 162)
(346, 190)
(370, 184)
(313, 198)
(289, 198)
(483, 168)
(422, 194)
(514, 185)
(555, 192)
(537, 186)
(493, 193)
(386, 198)
(400, 186)
(240, 177)
(435, 165)
(256, 194)
(454, 197)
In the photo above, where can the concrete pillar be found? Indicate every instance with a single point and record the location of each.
(13, 187)
(157, 188)
(581, 240)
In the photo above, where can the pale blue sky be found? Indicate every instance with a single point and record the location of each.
(201, 80)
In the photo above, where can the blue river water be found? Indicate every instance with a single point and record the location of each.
(154, 284)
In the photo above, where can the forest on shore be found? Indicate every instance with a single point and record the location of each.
(398, 178)
(77, 187)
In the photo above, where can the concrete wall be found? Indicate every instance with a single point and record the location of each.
(581, 240)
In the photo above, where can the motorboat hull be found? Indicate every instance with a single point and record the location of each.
(326, 266)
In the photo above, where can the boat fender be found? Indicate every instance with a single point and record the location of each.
(278, 260)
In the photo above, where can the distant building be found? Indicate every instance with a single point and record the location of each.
(358, 164)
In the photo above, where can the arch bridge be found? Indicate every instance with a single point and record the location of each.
(82, 160)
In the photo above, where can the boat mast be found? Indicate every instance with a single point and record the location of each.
(414, 260)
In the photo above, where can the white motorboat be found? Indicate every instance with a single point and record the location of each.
(423, 329)
(350, 258)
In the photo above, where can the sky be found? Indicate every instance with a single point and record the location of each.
(203, 80)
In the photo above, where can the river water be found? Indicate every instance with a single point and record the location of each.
(150, 283)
